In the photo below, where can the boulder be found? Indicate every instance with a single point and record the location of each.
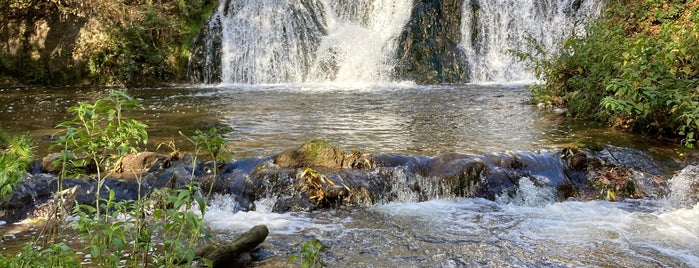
(134, 166)
(313, 153)
(47, 163)
(629, 157)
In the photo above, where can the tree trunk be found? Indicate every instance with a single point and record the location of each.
(236, 252)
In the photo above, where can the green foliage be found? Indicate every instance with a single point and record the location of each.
(162, 231)
(56, 255)
(181, 228)
(99, 136)
(309, 254)
(127, 42)
(125, 238)
(168, 239)
(15, 158)
(214, 146)
(635, 68)
(150, 46)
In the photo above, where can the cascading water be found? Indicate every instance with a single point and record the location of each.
(491, 30)
(288, 41)
(361, 41)
(310, 41)
(268, 41)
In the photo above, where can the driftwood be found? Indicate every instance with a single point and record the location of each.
(236, 252)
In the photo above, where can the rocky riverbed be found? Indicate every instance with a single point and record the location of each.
(319, 175)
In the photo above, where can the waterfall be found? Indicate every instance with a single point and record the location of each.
(361, 40)
(292, 41)
(357, 41)
(269, 41)
(492, 29)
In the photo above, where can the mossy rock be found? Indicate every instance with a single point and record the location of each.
(314, 153)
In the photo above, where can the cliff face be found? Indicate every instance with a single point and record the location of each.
(50, 42)
(37, 44)
(428, 49)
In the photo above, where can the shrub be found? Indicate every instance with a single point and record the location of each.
(15, 158)
(99, 136)
(636, 68)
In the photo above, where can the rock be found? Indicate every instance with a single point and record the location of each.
(334, 179)
(32, 190)
(47, 163)
(204, 64)
(428, 49)
(649, 185)
(54, 209)
(313, 153)
(293, 203)
(629, 157)
(136, 165)
(459, 174)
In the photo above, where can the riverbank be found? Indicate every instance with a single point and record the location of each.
(102, 42)
(634, 68)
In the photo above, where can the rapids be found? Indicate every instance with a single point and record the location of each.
(482, 233)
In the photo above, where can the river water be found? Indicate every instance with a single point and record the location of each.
(528, 231)
(386, 118)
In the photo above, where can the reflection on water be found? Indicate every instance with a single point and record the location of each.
(418, 120)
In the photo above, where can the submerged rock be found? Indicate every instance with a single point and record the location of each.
(318, 175)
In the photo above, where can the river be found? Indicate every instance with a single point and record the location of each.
(526, 231)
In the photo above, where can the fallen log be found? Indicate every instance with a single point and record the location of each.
(237, 252)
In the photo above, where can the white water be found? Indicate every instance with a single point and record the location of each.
(354, 42)
(267, 41)
(290, 41)
(525, 230)
(361, 41)
(491, 30)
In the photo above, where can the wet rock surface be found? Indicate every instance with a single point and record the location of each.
(428, 47)
(305, 179)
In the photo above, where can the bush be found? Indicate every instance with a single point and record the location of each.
(162, 231)
(15, 158)
(635, 68)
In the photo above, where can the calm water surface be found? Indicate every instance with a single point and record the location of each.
(265, 119)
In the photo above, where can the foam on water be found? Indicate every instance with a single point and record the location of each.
(684, 187)
(528, 194)
(528, 224)
(222, 216)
